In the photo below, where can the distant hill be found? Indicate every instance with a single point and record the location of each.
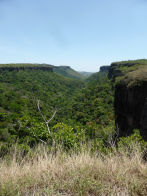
(86, 74)
(67, 71)
(99, 76)
(96, 77)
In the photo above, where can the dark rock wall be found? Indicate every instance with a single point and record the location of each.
(104, 68)
(26, 68)
(131, 109)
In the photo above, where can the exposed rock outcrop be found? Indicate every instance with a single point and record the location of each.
(130, 97)
(26, 68)
(131, 109)
(114, 71)
(104, 68)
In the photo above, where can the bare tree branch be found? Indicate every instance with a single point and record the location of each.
(38, 105)
(45, 121)
(52, 116)
(40, 139)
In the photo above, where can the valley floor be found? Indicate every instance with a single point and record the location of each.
(115, 174)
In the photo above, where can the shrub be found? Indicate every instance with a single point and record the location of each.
(131, 142)
(68, 137)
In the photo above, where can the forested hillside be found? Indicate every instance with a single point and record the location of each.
(94, 103)
(86, 74)
(78, 103)
(68, 72)
(61, 70)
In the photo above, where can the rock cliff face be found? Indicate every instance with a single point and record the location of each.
(104, 68)
(26, 68)
(130, 98)
(131, 109)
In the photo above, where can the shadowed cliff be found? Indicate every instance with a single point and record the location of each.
(130, 79)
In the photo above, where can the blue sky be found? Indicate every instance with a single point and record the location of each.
(83, 34)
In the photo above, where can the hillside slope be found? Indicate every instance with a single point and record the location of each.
(21, 88)
(65, 71)
(86, 74)
(68, 72)
(94, 103)
(86, 105)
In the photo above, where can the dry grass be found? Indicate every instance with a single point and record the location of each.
(77, 174)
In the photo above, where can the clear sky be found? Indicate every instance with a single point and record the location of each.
(83, 34)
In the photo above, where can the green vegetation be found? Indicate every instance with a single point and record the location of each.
(45, 171)
(25, 65)
(62, 70)
(129, 72)
(88, 105)
(86, 74)
(77, 152)
(94, 104)
(19, 92)
(68, 72)
(98, 76)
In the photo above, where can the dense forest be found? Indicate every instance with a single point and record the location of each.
(79, 104)
(44, 103)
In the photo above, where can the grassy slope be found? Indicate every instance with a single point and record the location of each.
(130, 72)
(74, 174)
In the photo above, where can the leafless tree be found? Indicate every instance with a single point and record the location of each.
(46, 121)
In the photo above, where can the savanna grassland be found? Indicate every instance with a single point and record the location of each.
(82, 173)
